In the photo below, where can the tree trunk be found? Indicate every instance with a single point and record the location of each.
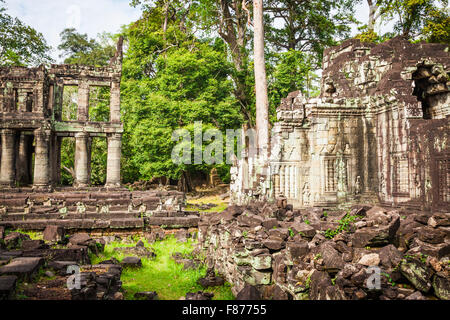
(185, 183)
(262, 100)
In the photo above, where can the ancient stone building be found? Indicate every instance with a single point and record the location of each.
(32, 127)
(378, 132)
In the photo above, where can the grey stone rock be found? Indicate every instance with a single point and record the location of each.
(14, 240)
(131, 262)
(146, 295)
(200, 295)
(274, 243)
(53, 233)
(417, 273)
(249, 292)
(7, 287)
(332, 260)
(441, 286)
(23, 268)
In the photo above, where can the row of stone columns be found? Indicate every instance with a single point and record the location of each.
(42, 166)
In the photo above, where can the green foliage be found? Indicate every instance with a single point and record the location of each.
(79, 49)
(344, 225)
(20, 44)
(289, 71)
(308, 26)
(291, 232)
(419, 19)
(169, 85)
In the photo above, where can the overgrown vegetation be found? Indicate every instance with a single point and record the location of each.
(344, 225)
(162, 274)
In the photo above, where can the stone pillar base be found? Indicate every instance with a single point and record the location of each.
(43, 189)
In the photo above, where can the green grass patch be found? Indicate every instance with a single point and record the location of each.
(221, 205)
(162, 274)
(34, 235)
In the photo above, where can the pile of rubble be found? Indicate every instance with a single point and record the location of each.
(274, 252)
(65, 259)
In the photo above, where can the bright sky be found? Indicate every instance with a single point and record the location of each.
(50, 17)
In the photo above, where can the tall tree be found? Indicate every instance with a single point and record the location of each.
(262, 100)
(308, 26)
(20, 44)
(417, 19)
(170, 82)
(230, 20)
(79, 49)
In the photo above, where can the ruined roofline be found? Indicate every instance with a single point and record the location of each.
(354, 69)
(357, 74)
(28, 72)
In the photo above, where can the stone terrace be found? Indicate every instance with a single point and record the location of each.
(93, 209)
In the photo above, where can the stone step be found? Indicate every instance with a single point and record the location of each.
(78, 254)
(174, 222)
(24, 267)
(40, 224)
(69, 216)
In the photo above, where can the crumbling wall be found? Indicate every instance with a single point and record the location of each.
(355, 142)
(329, 255)
(31, 111)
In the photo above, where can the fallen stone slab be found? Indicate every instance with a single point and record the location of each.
(53, 233)
(131, 262)
(211, 280)
(417, 273)
(249, 292)
(7, 287)
(200, 295)
(441, 286)
(137, 251)
(60, 267)
(80, 239)
(23, 268)
(15, 239)
(146, 295)
(78, 254)
(174, 222)
(33, 245)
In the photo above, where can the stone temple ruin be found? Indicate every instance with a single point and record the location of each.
(31, 123)
(378, 132)
(32, 129)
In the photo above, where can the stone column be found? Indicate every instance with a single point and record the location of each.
(81, 160)
(7, 172)
(41, 159)
(113, 164)
(24, 159)
(114, 104)
(83, 101)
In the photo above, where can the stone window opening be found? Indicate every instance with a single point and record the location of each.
(70, 103)
(98, 160)
(99, 103)
(67, 174)
(29, 102)
(430, 88)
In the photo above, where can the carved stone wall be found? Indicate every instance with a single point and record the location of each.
(378, 132)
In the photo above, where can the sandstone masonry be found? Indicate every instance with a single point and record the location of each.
(377, 133)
